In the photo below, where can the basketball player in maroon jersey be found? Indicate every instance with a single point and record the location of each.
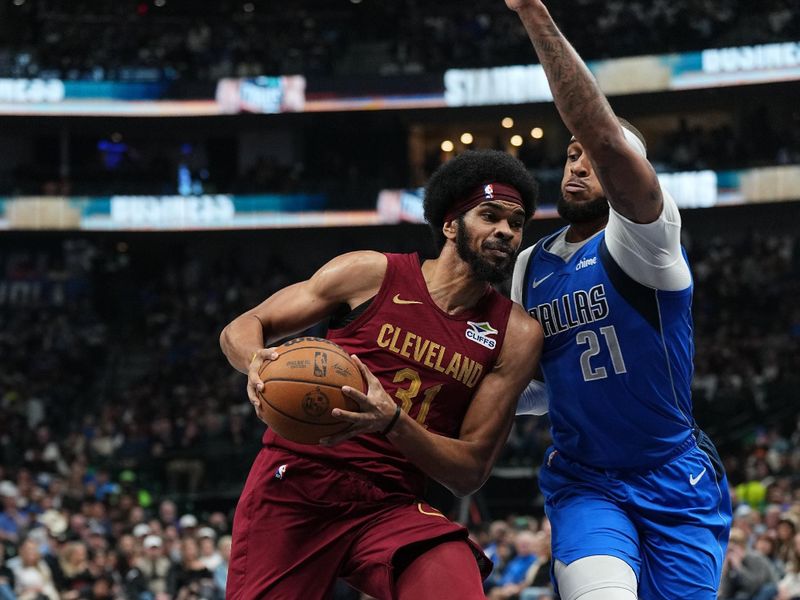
(445, 357)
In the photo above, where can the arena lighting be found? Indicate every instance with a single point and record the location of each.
(19, 2)
(159, 3)
(447, 146)
(466, 138)
(516, 140)
(537, 133)
(507, 122)
(249, 7)
(355, 1)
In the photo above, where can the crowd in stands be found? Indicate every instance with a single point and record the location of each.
(153, 39)
(349, 178)
(115, 403)
(203, 41)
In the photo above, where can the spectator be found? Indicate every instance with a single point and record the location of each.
(765, 545)
(103, 588)
(190, 576)
(154, 566)
(12, 519)
(209, 555)
(525, 543)
(6, 578)
(536, 584)
(499, 550)
(746, 574)
(786, 532)
(221, 571)
(33, 576)
(76, 577)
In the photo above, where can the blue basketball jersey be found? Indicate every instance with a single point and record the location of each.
(617, 358)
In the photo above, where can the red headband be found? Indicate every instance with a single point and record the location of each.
(484, 193)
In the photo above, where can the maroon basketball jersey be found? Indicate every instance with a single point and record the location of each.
(430, 362)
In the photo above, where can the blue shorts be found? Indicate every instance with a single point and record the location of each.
(670, 524)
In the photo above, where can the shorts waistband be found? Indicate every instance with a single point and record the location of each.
(406, 485)
(680, 449)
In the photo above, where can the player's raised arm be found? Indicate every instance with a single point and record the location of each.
(347, 279)
(463, 464)
(628, 179)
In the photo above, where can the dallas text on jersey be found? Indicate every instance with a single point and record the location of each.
(571, 310)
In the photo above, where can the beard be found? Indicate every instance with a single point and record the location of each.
(483, 268)
(582, 212)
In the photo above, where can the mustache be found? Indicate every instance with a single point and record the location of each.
(499, 246)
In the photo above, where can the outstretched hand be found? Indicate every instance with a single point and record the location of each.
(254, 384)
(377, 408)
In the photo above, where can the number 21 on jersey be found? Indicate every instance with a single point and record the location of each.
(595, 347)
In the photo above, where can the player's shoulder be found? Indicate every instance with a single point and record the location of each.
(352, 272)
(523, 342)
(522, 328)
(523, 258)
(366, 262)
(525, 255)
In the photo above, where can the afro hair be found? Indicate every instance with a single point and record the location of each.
(458, 177)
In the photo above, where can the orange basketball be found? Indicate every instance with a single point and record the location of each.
(303, 385)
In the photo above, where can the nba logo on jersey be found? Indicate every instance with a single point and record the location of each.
(280, 472)
(480, 332)
(488, 190)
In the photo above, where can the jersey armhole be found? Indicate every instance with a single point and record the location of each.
(345, 315)
(349, 321)
(642, 298)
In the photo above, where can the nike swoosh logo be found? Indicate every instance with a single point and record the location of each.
(693, 480)
(398, 300)
(538, 282)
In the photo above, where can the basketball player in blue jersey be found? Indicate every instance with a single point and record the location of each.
(635, 491)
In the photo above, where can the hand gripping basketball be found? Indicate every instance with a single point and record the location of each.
(377, 408)
(254, 384)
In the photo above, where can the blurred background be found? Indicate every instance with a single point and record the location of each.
(166, 165)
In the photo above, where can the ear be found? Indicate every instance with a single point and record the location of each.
(449, 229)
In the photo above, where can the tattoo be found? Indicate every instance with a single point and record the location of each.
(578, 98)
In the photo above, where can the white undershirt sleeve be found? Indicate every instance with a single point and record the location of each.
(519, 274)
(534, 399)
(650, 253)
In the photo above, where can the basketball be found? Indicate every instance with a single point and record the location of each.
(303, 385)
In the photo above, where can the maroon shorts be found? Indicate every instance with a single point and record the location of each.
(300, 524)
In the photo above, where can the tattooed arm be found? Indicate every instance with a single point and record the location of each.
(628, 179)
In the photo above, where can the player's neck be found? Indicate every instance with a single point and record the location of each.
(579, 232)
(451, 283)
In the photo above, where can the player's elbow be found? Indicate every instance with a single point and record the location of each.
(463, 490)
(224, 342)
(470, 482)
